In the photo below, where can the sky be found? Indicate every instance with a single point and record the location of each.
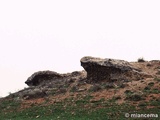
(54, 35)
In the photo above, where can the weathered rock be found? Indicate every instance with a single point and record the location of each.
(42, 76)
(109, 69)
(35, 93)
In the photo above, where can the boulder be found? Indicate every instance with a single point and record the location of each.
(42, 76)
(99, 69)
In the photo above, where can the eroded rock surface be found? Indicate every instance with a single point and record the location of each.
(99, 69)
(101, 73)
(42, 76)
(44, 83)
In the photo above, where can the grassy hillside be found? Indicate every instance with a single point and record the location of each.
(82, 108)
(89, 101)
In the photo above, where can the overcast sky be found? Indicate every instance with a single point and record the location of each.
(55, 34)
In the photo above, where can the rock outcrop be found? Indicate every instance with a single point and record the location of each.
(42, 76)
(99, 74)
(46, 78)
(109, 69)
(44, 83)
(97, 69)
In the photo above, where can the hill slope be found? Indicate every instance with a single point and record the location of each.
(106, 89)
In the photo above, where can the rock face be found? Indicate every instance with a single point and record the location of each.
(108, 69)
(99, 74)
(97, 69)
(42, 76)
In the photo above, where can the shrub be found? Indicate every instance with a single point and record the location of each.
(117, 97)
(147, 88)
(134, 97)
(157, 79)
(142, 104)
(128, 92)
(73, 89)
(155, 91)
(151, 84)
(141, 59)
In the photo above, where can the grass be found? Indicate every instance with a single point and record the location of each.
(148, 89)
(82, 109)
(151, 84)
(131, 96)
(9, 104)
(134, 97)
(157, 79)
(73, 89)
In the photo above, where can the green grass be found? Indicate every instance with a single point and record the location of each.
(70, 109)
(131, 96)
(9, 104)
(157, 79)
(151, 84)
(148, 89)
(73, 89)
(134, 97)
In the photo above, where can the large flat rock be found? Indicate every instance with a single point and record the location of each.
(99, 69)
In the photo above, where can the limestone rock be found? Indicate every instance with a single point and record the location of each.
(42, 76)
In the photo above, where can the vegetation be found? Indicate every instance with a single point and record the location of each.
(70, 109)
(134, 97)
(82, 100)
(157, 79)
(73, 89)
(148, 89)
(94, 88)
(141, 59)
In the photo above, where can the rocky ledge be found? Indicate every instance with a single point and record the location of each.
(99, 69)
(98, 73)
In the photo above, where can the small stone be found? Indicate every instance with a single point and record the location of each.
(81, 90)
